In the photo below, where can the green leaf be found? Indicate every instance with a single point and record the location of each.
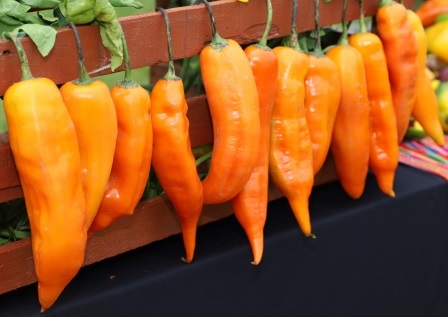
(126, 3)
(43, 36)
(12, 12)
(110, 31)
(79, 11)
(47, 17)
(41, 4)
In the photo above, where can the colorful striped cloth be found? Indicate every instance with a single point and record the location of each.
(424, 154)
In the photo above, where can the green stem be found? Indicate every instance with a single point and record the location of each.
(171, 73)
(318, 48)
(218, 43)
(362, 21)
(293, 39)
(24, 65)
(203, 158)
(264, 39)
(344, 37)
(84, 78)
(127, 82)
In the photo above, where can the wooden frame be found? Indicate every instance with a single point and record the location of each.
(153, 219)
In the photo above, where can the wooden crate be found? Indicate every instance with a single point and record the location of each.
(154, 219)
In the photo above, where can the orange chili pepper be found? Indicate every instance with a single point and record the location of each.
(426, 107)
(401, 49)
(92, 111)
(45, 149)
(430, 10)
(250, 205)
(133, 151)
(323, 94)
(291, 150)
(173, 160)
(233, 101)
(351, 136)
(383, 137)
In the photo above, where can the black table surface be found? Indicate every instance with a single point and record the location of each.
(376, 256)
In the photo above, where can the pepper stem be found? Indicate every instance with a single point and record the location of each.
(171, 73)
(84, 78)
(362, 21)
(318, 48)
(127, 82)
(218, 43)
(344, 37)
(293, 39)
(203, 158)
(264, 39)
(24, 65)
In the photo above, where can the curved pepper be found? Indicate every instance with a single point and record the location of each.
(45, 149)
(92, 111)
(401, 50)
(425, 109)
(350, 145)
(291, 149)
(173, 160)
(323, 94)
(383, 158)
(233, 101)
(133, 151)
(250, 205)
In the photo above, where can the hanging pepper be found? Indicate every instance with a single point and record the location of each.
(430, 10)
(401, 50)
(45, 149)
(92, 110)
(173, 160)
(233, 101)
(133, 150)
(250, 205)
(350, 145)
(323, 94)
(291, 150)
(383, 136)
(425, 109)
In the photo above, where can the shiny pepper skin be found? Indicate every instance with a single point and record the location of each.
(383, 136)
(401, 50)
(291, 149)
(323, 94)
(437, 39)
(45, 149)
(233, 101)
(350, 145)
(426, 108)
(173, 160)
(430, 9)
(93, 113)
(250, 205)
(132, 158)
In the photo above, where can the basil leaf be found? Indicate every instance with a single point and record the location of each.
(12, 12)
(41, 4)
(126, 3)
(43, 36)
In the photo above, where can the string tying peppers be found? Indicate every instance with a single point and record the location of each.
(383, 136)
(45, 148)
(233, 102)
(351, 136)
(92, 110)
(173, 160)
(291, 150)
(133, 150)
(250, 205)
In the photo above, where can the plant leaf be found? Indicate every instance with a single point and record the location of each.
(3, 123)
(41, 4)
(126, 3)
(13, 12)
(43, 36)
